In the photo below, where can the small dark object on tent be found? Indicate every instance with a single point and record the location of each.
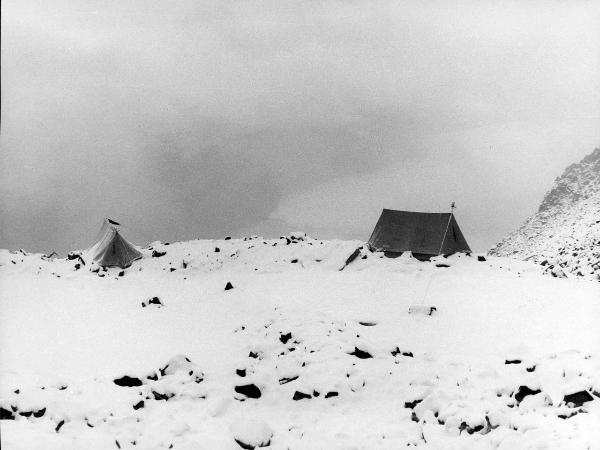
(240, 372)
(417, 232)
(360, 353)
(512, 361)
(127, 381)
(228, 286)
(157, 254)
(524, 391)
(249, 390)
(331, 394)
(300, 395)
(113, 222)
(284, 338)
(481, 258)
(411, 405)
(578, 398)
(138, 405)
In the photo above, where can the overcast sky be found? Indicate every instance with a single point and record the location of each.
(199, 119)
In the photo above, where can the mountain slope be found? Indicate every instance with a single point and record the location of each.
(564, 234)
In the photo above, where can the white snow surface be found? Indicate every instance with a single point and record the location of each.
(298, 332)
(564, 234)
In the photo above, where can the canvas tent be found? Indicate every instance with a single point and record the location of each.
(111, 249)
(418, 232)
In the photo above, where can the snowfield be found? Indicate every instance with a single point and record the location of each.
(297, 354)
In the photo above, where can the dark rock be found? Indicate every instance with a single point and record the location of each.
(172, 269)
(530, 369)
(227, 238)
(331, 394)
(26, 413)
(240, 372)
(138, 405)
(316, 393)
(300, 395)
(512, 361)
(284, 338)
(59, 425)
(165, 397)
(411, 405)
(155, 301)
(6, 414)
(39, 412)
(523, 392)
(153, 377)
(127, 381)
(481, 258)
(360, 353)
(442, 265)
(253, 355)
(286, 380)
(122, 273)
(368, 324)
(578, 398)
(228, 286)
(157, 254)
(249, 390)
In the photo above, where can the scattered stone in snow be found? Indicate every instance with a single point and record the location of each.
(249, 390)
(578, 398)
(530, 369)
(157, 254)
(6, 414)
(227, 238)
(523, 392)
(367, 324)
(217, 249)
(331, 394)
(397, 352)
(442, 265)
(286, 380)
(127, 381)
(228, 286)
(161, 396)
(251, 433)
(300, 395)
(240, 372)
(284, 338)
(411, 405)
(512, 361)
(138, 405)
(481, 258)
(59, 425)
(360, 353)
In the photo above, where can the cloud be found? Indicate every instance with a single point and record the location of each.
(197, 119)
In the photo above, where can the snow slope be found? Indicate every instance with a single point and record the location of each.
(564, 235)
(298, 354)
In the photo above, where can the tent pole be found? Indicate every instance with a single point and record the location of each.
(447, 226)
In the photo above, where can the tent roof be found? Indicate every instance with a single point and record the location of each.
(113, 250)
(417, 232)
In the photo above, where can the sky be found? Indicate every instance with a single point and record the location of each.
(201, 119)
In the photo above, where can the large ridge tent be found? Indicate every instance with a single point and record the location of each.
(111, 249)
(423, 234)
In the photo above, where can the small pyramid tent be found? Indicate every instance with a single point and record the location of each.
(423, 234)
(111, 249)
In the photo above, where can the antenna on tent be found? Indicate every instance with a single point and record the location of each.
(421, 308)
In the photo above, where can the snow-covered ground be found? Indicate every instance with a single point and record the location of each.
(298, 354)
